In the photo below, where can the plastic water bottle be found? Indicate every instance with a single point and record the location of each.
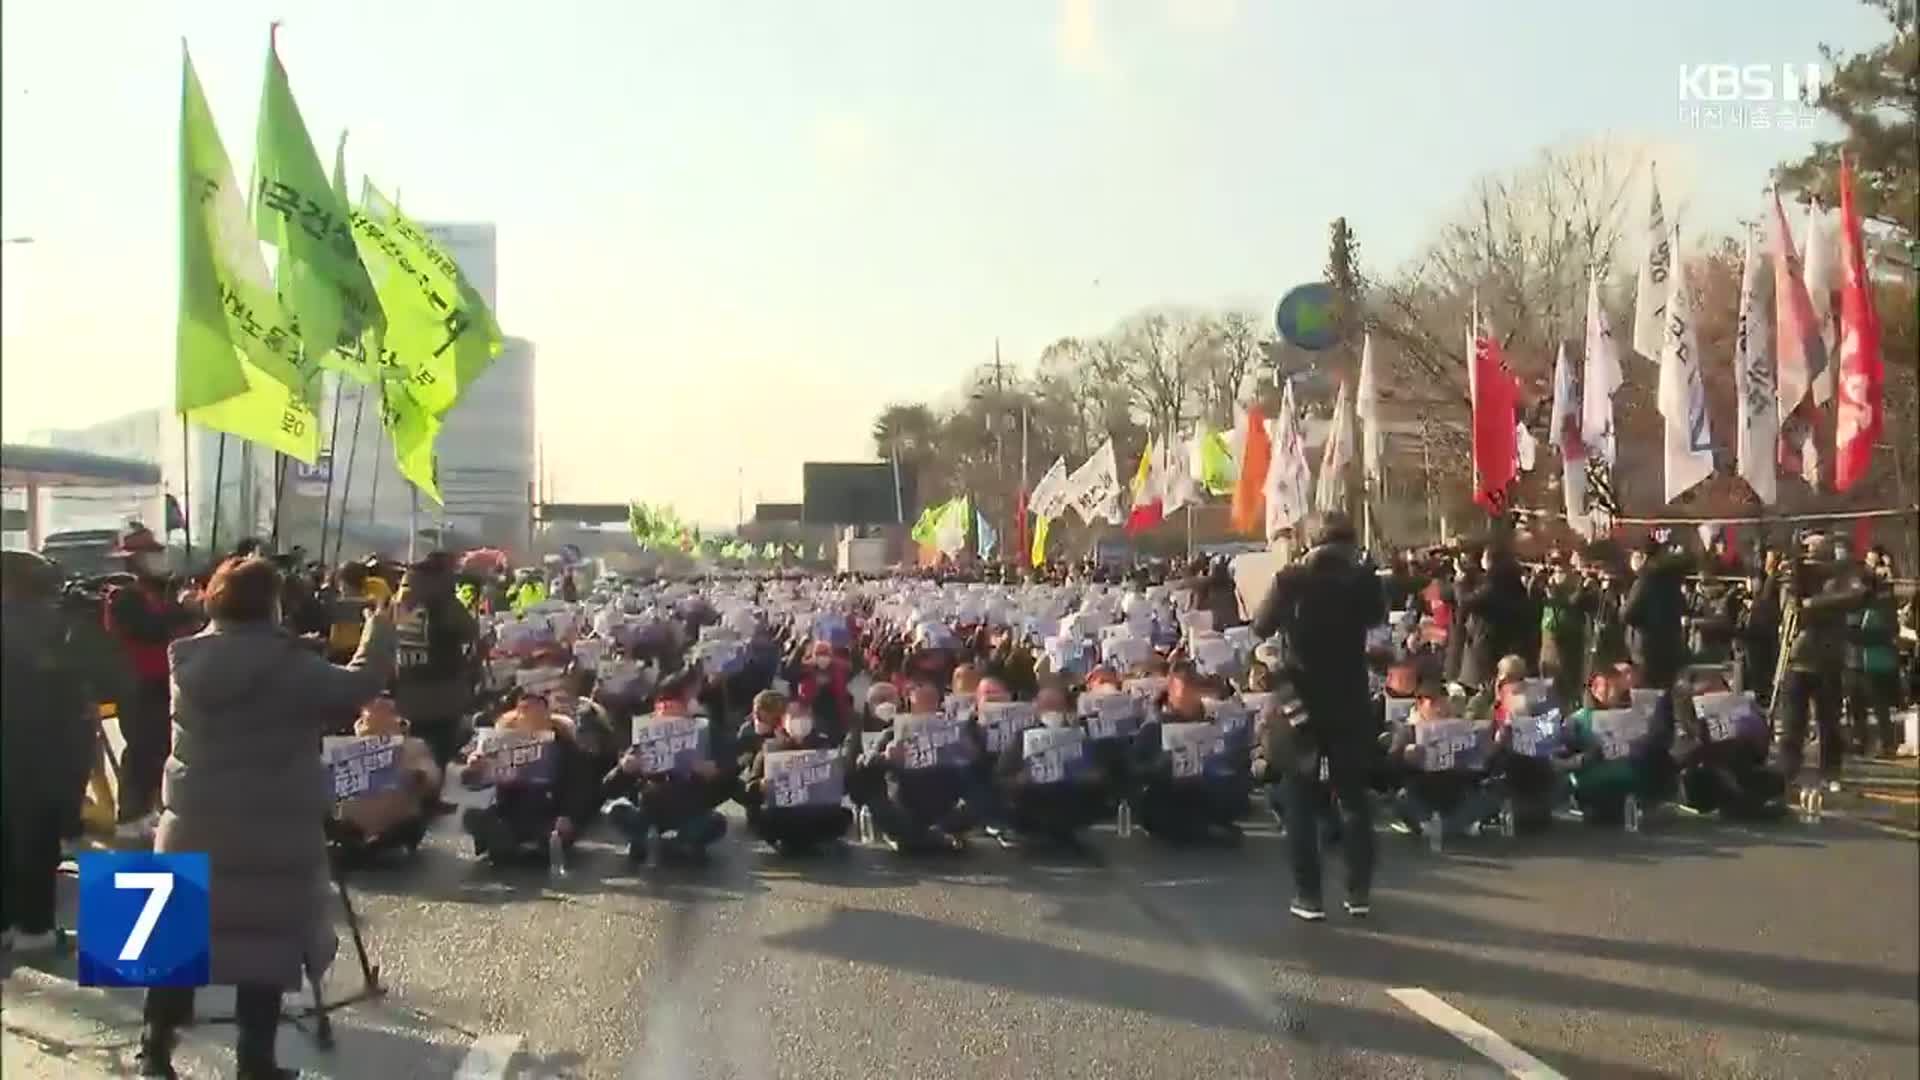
(556, 855)
(863, 823)
(1814, 801)
(1509, 816)
(1436, 829)
(1123, 819)
(1631, 811)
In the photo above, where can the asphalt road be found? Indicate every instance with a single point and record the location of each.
(1697, 949)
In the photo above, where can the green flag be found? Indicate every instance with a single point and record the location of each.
(439, 333)
(1217, 471)
(238, 367)
(413, 429)
(925, 529)
(321, 280)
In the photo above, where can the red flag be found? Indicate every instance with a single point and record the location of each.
(1249, 504)
(1496, 457)
(1859, 410)
(1862, 532)
(1800, 352)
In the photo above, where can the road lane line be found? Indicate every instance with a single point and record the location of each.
(489, 1057)
(1517, 1062)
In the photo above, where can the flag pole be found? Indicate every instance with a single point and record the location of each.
(279, 496)
(186, 489)
(333, 441)
(346, 486)
(413, 521)
(373, 492)
(219, 483)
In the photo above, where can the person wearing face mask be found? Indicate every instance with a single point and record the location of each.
(593, 733)
(679, 806)
(866, 779)
(1531, 784)
(1493, 614)
(433, 688)
(1872, 677)
(1655, 615)
(789, 830)
(920, 810)
(1455, 795)
(822, 685)
(1824, 594)
(1600, 785)
(1054, 812)
(144, 616)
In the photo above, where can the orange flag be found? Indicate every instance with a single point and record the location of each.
(1249, 504)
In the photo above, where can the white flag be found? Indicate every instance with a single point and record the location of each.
(1820, 265)
(1602, 381)
(1367, 407)
(1289, 477)
(1175, 481)
(1050, 497)
(1563, 433)
(1683, 393)
(1650, 298)
(1758, 433)
(1329, 494)
(1095, 487)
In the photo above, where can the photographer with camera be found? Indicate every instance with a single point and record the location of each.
(1821, 595)
(144, 615)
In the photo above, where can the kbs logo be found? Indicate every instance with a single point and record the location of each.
(1751, 96)
(144, 919)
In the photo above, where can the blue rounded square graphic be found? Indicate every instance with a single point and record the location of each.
(144, 919)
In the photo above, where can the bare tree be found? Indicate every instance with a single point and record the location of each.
(1232, 352)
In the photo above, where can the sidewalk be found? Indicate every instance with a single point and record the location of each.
(24, 1058)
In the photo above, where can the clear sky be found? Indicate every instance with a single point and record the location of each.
(736, 229)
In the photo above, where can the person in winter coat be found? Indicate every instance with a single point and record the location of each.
(1570, 603)
(48, 713)
(433, 687)
(1055, 810)
(1327, 603)
(790, 830)
(1655, 615)
(1493, 616)
(397, 818)
(922, 809)
(1182, 810)
(1825, 595)
(1757, 649)
(1872, 680)
(145, 616)
(528, 817)
(680, 807)
(245, 784)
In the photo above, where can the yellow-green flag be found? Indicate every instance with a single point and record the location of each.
(238, 366)
(1040, 528)
(321, 280)
(439, 334)
(413, 429)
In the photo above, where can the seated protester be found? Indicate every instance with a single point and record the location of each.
(822, 683)
(1662, 774)
(920, 809)
(866, 779)
(593, 733)
(1012, 662)
(396, 818)
(679, 807)
(1113, 757)
(791, 830)
(1054, 810)
(982, 791)
(526, 818)
(1601, 785)
(1533, 785)
(1728, 775)
(1457, 796)
(966, 681)
(1182, 810)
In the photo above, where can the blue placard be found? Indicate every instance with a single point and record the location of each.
(805, 778)
(932, 741)
(519, 758)
(144, 919)
(1004, 720)
(670, 744)
(1197, 750)
(1305, 316)
(1110, 714)
(1537, 737)
(1234, 719)
(1621, 734)
(1054, 755)
(363, 764)
(1449, 745)
(1730, 716)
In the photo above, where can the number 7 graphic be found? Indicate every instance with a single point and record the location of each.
(161, 885)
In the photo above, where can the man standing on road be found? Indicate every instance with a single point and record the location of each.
(432, 630)
(1325, 603)
(144, 617)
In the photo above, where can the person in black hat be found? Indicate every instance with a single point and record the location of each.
(1655, 614)
(680, 806)
(144, 616)
(1326, 603)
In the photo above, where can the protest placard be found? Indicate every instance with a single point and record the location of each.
(1620, 733)
(1536, 736)
(1727, 716)
(1003, 720)
(932, 740)
(670, 744)
(1447, 745)
(363, 764)
(1054, 755)
(541, 680)
(518, 758)
(1194, 748)
(805, 778)
(1110, 714)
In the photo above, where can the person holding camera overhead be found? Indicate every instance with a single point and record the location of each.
(246, 785)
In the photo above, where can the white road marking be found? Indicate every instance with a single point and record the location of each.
(489, 1057)
(1517, 1062)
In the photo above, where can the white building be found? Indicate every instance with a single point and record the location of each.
(486, 458)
